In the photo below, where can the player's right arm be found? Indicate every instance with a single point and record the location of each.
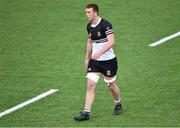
(88, 52)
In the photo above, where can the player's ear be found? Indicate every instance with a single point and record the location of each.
(94, 12)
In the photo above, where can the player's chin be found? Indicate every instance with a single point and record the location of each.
(89, 19)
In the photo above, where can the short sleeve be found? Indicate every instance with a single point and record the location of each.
(108, 28)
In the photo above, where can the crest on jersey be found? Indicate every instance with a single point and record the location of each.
(99, 34)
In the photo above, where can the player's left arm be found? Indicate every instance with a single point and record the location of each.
(110, 43)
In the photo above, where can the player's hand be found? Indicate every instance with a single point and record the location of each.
(96, 56)
(86, 62)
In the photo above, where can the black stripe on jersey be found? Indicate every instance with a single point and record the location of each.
(100, 40)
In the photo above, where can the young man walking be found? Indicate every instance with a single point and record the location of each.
(100, 59)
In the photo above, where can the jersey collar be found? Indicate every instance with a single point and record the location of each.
(94, 25)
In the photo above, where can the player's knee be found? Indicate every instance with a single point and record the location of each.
(112, 86)
(93, 77)
(110, 82)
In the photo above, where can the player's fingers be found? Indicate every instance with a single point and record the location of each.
(85, 65)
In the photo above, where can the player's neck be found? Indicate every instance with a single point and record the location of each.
(96, 21)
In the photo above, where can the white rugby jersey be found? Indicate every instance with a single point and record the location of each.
(98, 35)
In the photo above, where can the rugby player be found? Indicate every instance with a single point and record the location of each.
(100, 60)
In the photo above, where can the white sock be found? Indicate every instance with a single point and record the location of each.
(117, 101)
(87, 110)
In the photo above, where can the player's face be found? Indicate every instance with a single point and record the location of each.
(90, 14)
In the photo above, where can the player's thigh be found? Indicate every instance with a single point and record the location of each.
(93, 66)
(93, 72)
(109, 68)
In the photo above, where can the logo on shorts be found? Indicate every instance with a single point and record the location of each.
(89, 69)
(108, 73)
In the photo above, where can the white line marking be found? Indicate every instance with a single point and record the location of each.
(165, 39)
(28, 102)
